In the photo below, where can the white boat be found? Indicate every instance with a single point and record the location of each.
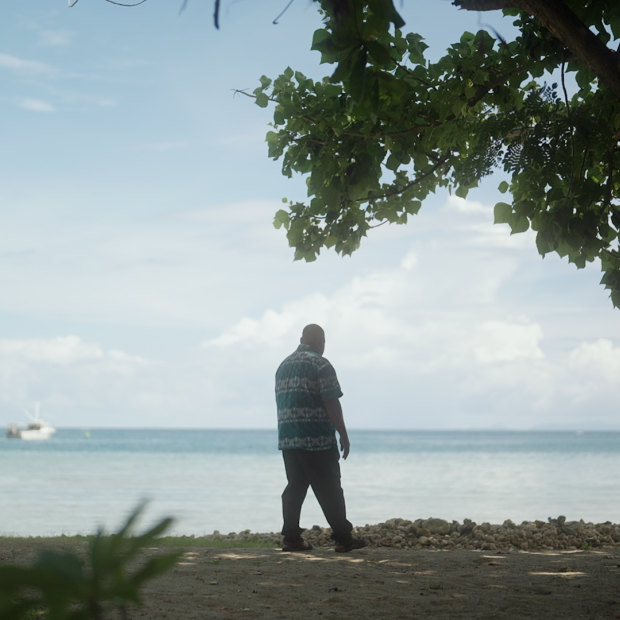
(37, 429)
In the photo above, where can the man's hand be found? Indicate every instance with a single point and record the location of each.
(345, 445)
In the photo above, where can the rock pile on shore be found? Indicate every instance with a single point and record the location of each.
(529, 535)
(440, 534)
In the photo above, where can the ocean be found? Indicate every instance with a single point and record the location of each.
(230, 481)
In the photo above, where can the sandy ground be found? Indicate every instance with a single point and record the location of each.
(377, 583)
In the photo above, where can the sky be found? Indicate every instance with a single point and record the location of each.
(143, 284)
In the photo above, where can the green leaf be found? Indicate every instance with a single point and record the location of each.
(357, 79)
(416, 48)
(319, 37)
(467, 38)
(281, 218)
(379, 54)
(518, 225)
(614, 24)
(262, 101)
(503, 187)
(385, 10)
(60, 585)
(584, 79)
(502, 213)
(461, 191)
(323, 42)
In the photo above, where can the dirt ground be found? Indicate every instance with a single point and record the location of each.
(379, 583)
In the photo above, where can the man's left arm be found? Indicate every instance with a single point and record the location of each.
(334, 412)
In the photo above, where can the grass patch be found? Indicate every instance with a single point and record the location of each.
(214, 541)
(223, 542)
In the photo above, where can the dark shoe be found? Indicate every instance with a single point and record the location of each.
(296, 545)
(353, 543)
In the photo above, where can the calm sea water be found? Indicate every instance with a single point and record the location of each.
(232, 480)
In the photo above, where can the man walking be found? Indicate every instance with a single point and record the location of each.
(309, 413)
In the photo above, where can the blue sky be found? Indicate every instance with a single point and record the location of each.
(144, 285)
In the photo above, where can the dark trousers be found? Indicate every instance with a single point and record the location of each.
(320, 470)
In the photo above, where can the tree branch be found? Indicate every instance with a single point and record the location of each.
(216, 14)
(484, 5)
(418, 179)
(563, 24)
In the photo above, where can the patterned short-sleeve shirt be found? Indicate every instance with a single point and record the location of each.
(304, 380)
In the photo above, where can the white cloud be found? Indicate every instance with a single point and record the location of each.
(55, 38)
(193, 267)
(269, 330)
(242, 137)
(409, 262)
(474, 220)
(169, 145)
(466, 206)
(502, 341)
(78, 381)
(62, 350)
(356, 310)
(597, 358)
(36, 105)
(241, 214)
(425, 328)
(433, 341)
(592, 374)
(103, 102)
(22, 65)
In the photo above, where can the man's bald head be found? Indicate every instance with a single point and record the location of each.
(314, 336)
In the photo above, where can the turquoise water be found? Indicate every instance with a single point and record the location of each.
(231, 480)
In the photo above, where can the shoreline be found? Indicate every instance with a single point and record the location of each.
(432, 533)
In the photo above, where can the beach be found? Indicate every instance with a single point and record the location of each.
(388, 583)
(529, 523)
(375, 582)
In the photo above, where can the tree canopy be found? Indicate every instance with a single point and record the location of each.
(388, 127)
